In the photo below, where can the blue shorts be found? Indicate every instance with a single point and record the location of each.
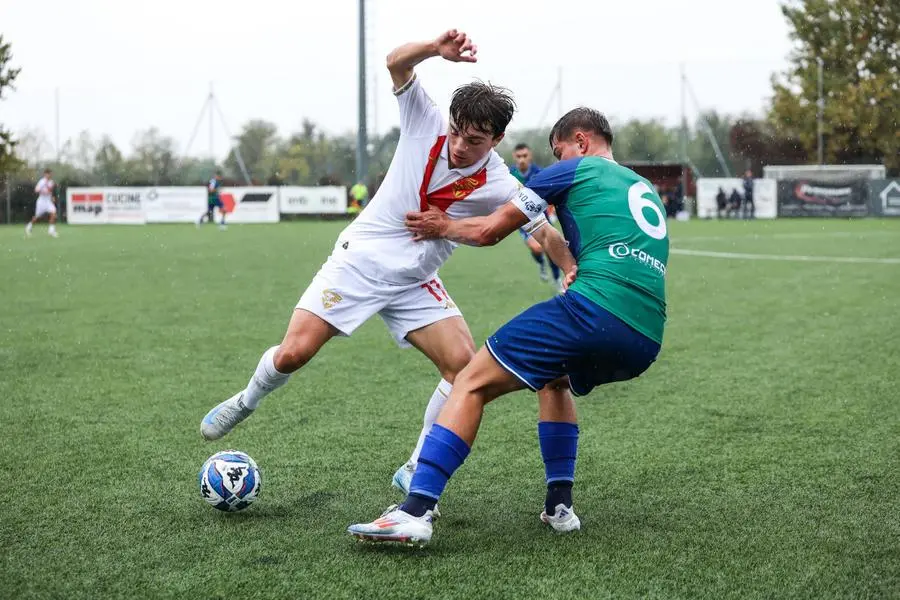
(216, 203)
(570, 335)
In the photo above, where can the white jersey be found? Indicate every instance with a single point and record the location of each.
(377, 242)
(44, 189)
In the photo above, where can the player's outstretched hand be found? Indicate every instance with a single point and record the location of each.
(569, 279)
(429, 225)
(456, 46)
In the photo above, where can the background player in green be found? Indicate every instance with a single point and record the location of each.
(607, 327)
(213, 201)
(523, 170)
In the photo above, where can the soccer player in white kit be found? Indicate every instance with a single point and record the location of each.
(378, 267)
(45, 204)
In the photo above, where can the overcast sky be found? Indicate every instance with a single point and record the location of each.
(122, 66)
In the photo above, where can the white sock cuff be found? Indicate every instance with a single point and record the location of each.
(268, 364)
(445, 387)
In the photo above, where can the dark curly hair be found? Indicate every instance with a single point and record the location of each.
(483, 106)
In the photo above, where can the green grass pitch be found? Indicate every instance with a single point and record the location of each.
(758, 458)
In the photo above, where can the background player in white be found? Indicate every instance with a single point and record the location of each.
(46, 203)
(378, 267)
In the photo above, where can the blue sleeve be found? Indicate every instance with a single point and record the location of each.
(553, 182)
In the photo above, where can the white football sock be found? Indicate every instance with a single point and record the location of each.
(265, 380)
(440, 395)
(28, 228)
(52, 229)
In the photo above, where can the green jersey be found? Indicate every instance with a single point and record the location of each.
(215, 184)
(615, 224)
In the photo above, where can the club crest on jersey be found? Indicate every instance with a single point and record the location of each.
(330, 298)
(463, 187)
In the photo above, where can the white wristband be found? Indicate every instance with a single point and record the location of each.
(535, 224)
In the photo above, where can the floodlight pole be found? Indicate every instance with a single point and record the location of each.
(684, 156)
(706, 128)
(820, 110)
(212, 106)
(56, 103)
(212, 152)
(559, 98)
(362, 142)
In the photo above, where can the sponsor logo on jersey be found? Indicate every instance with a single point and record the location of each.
(621, 250)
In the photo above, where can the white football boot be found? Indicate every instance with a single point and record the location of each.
(396, 526)
(222, 419)
(403, 479)
(564, 519)
(542, 271)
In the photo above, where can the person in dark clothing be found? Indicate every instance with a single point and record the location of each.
(749, 206)
(721, 203)
(734, 204)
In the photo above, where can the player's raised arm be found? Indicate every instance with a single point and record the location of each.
(452, 45)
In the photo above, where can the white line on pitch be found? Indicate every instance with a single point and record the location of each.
(801, 258)
(784, 236)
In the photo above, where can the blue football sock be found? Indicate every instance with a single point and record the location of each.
(554, 269)
(417, 506)
(442, 453)
(558, 492)
(539, 259)
(559, 447)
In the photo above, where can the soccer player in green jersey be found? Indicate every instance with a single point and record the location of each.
(213, 201)
(607, 327)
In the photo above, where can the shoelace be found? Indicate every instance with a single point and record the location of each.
(228, 416)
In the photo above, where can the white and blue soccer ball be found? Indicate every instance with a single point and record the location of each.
(230, 480)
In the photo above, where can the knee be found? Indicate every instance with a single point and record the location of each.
(456, 360)
(293, 353)
(471, 387)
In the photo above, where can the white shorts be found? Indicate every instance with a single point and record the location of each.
(44, 206)
(345, 298)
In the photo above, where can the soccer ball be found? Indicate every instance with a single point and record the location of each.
(230, 480)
